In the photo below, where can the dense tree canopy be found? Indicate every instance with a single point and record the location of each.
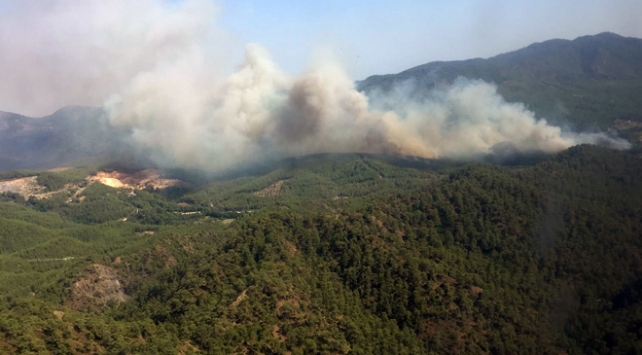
(335, 254)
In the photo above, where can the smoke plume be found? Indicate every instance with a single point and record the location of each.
(158, 70)
(65, 52)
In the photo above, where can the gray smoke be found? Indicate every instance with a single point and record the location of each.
(160, 79)
(259, 112)
(66, 52)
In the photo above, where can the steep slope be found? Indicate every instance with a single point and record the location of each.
(590, 81)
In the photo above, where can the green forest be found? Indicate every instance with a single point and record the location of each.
(332, 254)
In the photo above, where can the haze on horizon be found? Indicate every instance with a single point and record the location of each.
(383, 37)
(168, 73)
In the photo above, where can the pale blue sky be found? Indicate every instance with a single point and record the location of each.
(378, 37)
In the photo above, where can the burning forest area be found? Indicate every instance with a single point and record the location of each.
(320, 177)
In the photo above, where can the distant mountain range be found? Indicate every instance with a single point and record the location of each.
(592, 82)
(588, 82)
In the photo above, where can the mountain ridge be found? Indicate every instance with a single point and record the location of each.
(587, 82)
(530, 47)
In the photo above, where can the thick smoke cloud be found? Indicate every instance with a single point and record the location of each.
(160, 79)
(259, 112)
(65, 52)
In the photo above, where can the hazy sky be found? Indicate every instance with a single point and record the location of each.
(378, 37)
(61, 52)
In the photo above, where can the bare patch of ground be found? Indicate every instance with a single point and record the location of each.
(59, 314)
(186, 348)
(476, 290)
(136, 181)
(188, 213)
(27, 186)
(293, 302)
(143, 179)
(240, 298)
(272, 190)
(98, 286)
(277, 334)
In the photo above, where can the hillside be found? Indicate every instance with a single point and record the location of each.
(522, 252)
(333, 254)
(588, 82)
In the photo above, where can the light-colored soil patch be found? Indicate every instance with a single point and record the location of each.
(294, 302)
(111, 182)
(272, 190)
(187, 348)
(240, 299)
(59, 314)
(277, 334)
(26, 187)
(227, 222)
(476, 290)
(136, 181)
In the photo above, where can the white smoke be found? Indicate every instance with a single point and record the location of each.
(65, 52)
(258, 112)
(157, 69)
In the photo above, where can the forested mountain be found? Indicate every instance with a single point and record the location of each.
(588, 82)
(331, 254)
(336, 253)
